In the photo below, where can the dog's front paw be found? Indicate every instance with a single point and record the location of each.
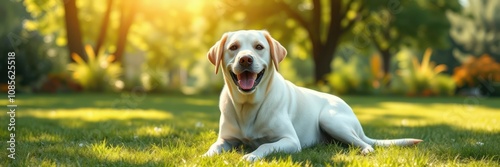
(251, 157)
(210, 153)
(367, 150)
(207, 154)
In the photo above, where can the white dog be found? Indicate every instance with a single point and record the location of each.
(262, 110)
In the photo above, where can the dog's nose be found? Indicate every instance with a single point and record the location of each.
(246, 61)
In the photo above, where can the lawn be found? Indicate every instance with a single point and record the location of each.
(173, 130)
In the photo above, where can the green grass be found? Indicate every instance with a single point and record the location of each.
(173, 130)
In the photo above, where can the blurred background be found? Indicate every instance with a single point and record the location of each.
(385, 47)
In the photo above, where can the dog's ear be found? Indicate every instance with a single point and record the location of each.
(216, 52)
(278, 52)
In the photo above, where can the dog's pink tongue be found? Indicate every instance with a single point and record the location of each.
(246, 80)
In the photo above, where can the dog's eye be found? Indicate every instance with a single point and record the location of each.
(234, 47)
(259, 47)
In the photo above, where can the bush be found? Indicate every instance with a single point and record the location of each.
(100, 73)
(353, 76)
(58, 83)
(32, 62)
(482, 72)
(424, 78)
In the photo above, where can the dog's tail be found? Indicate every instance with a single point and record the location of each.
(395, 142)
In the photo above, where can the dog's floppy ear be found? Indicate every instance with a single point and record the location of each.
(216, 52)
(278, 52)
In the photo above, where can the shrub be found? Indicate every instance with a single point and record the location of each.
(154, 80)
(99, 73)
(57, 83)
(32, 62)
(420, 78)
(353, 76)
(482, 72)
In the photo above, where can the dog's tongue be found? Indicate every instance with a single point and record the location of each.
(246, 80)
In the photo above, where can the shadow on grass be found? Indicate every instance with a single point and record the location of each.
(198, 103)
(56, 142)
(69, 140)
(443, 141)
(376, 101)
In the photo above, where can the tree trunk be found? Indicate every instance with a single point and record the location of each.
(104, 28)
(386, 61)
(73, 33)
(323, 49)
(322, 66)
(323, 57)
(126, 19)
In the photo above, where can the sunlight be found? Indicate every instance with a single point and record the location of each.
(99, 114)
(152, 131)
(200, 102)
(44, 137)
(186, 9)
(107, 152)
(416, 115)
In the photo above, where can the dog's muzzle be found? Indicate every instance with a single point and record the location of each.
(247, 81)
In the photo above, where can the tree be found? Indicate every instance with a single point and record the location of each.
(73, 32)
(386, 25)
(128, 12)
(476, 29)
(324, 48)
(324, 21)
(104, 28)
(29, 48)
(418, 24)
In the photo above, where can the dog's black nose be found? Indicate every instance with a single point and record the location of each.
(246, 61)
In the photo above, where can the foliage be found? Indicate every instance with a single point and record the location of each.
(98, 74)
(32, 62)
(351, 76)
(174, 36)
(421, 78)
(167, 130)
(153, 33)
(167, 48)
(475, 30)
(391, 25)
(479, 72)
(154, 80)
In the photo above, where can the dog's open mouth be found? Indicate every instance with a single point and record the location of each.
(247, 81)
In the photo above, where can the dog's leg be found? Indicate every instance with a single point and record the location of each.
(219, 146)
(345, 128)
(287, 145)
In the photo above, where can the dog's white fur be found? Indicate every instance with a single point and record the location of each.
(277, 115)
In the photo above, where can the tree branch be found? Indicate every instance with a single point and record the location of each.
(73, 32)
(295, 15)
(126, 19)
(313, 32)
(316, 16)
(374, 40)
(351, 22)
(104, 28)
(334, 28)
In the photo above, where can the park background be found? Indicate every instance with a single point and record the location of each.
(87, 64)
(409, 48)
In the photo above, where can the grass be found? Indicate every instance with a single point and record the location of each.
(172, 130)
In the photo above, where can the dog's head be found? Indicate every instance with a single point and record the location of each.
(245, 57)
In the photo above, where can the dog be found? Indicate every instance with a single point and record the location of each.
(263, 111)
